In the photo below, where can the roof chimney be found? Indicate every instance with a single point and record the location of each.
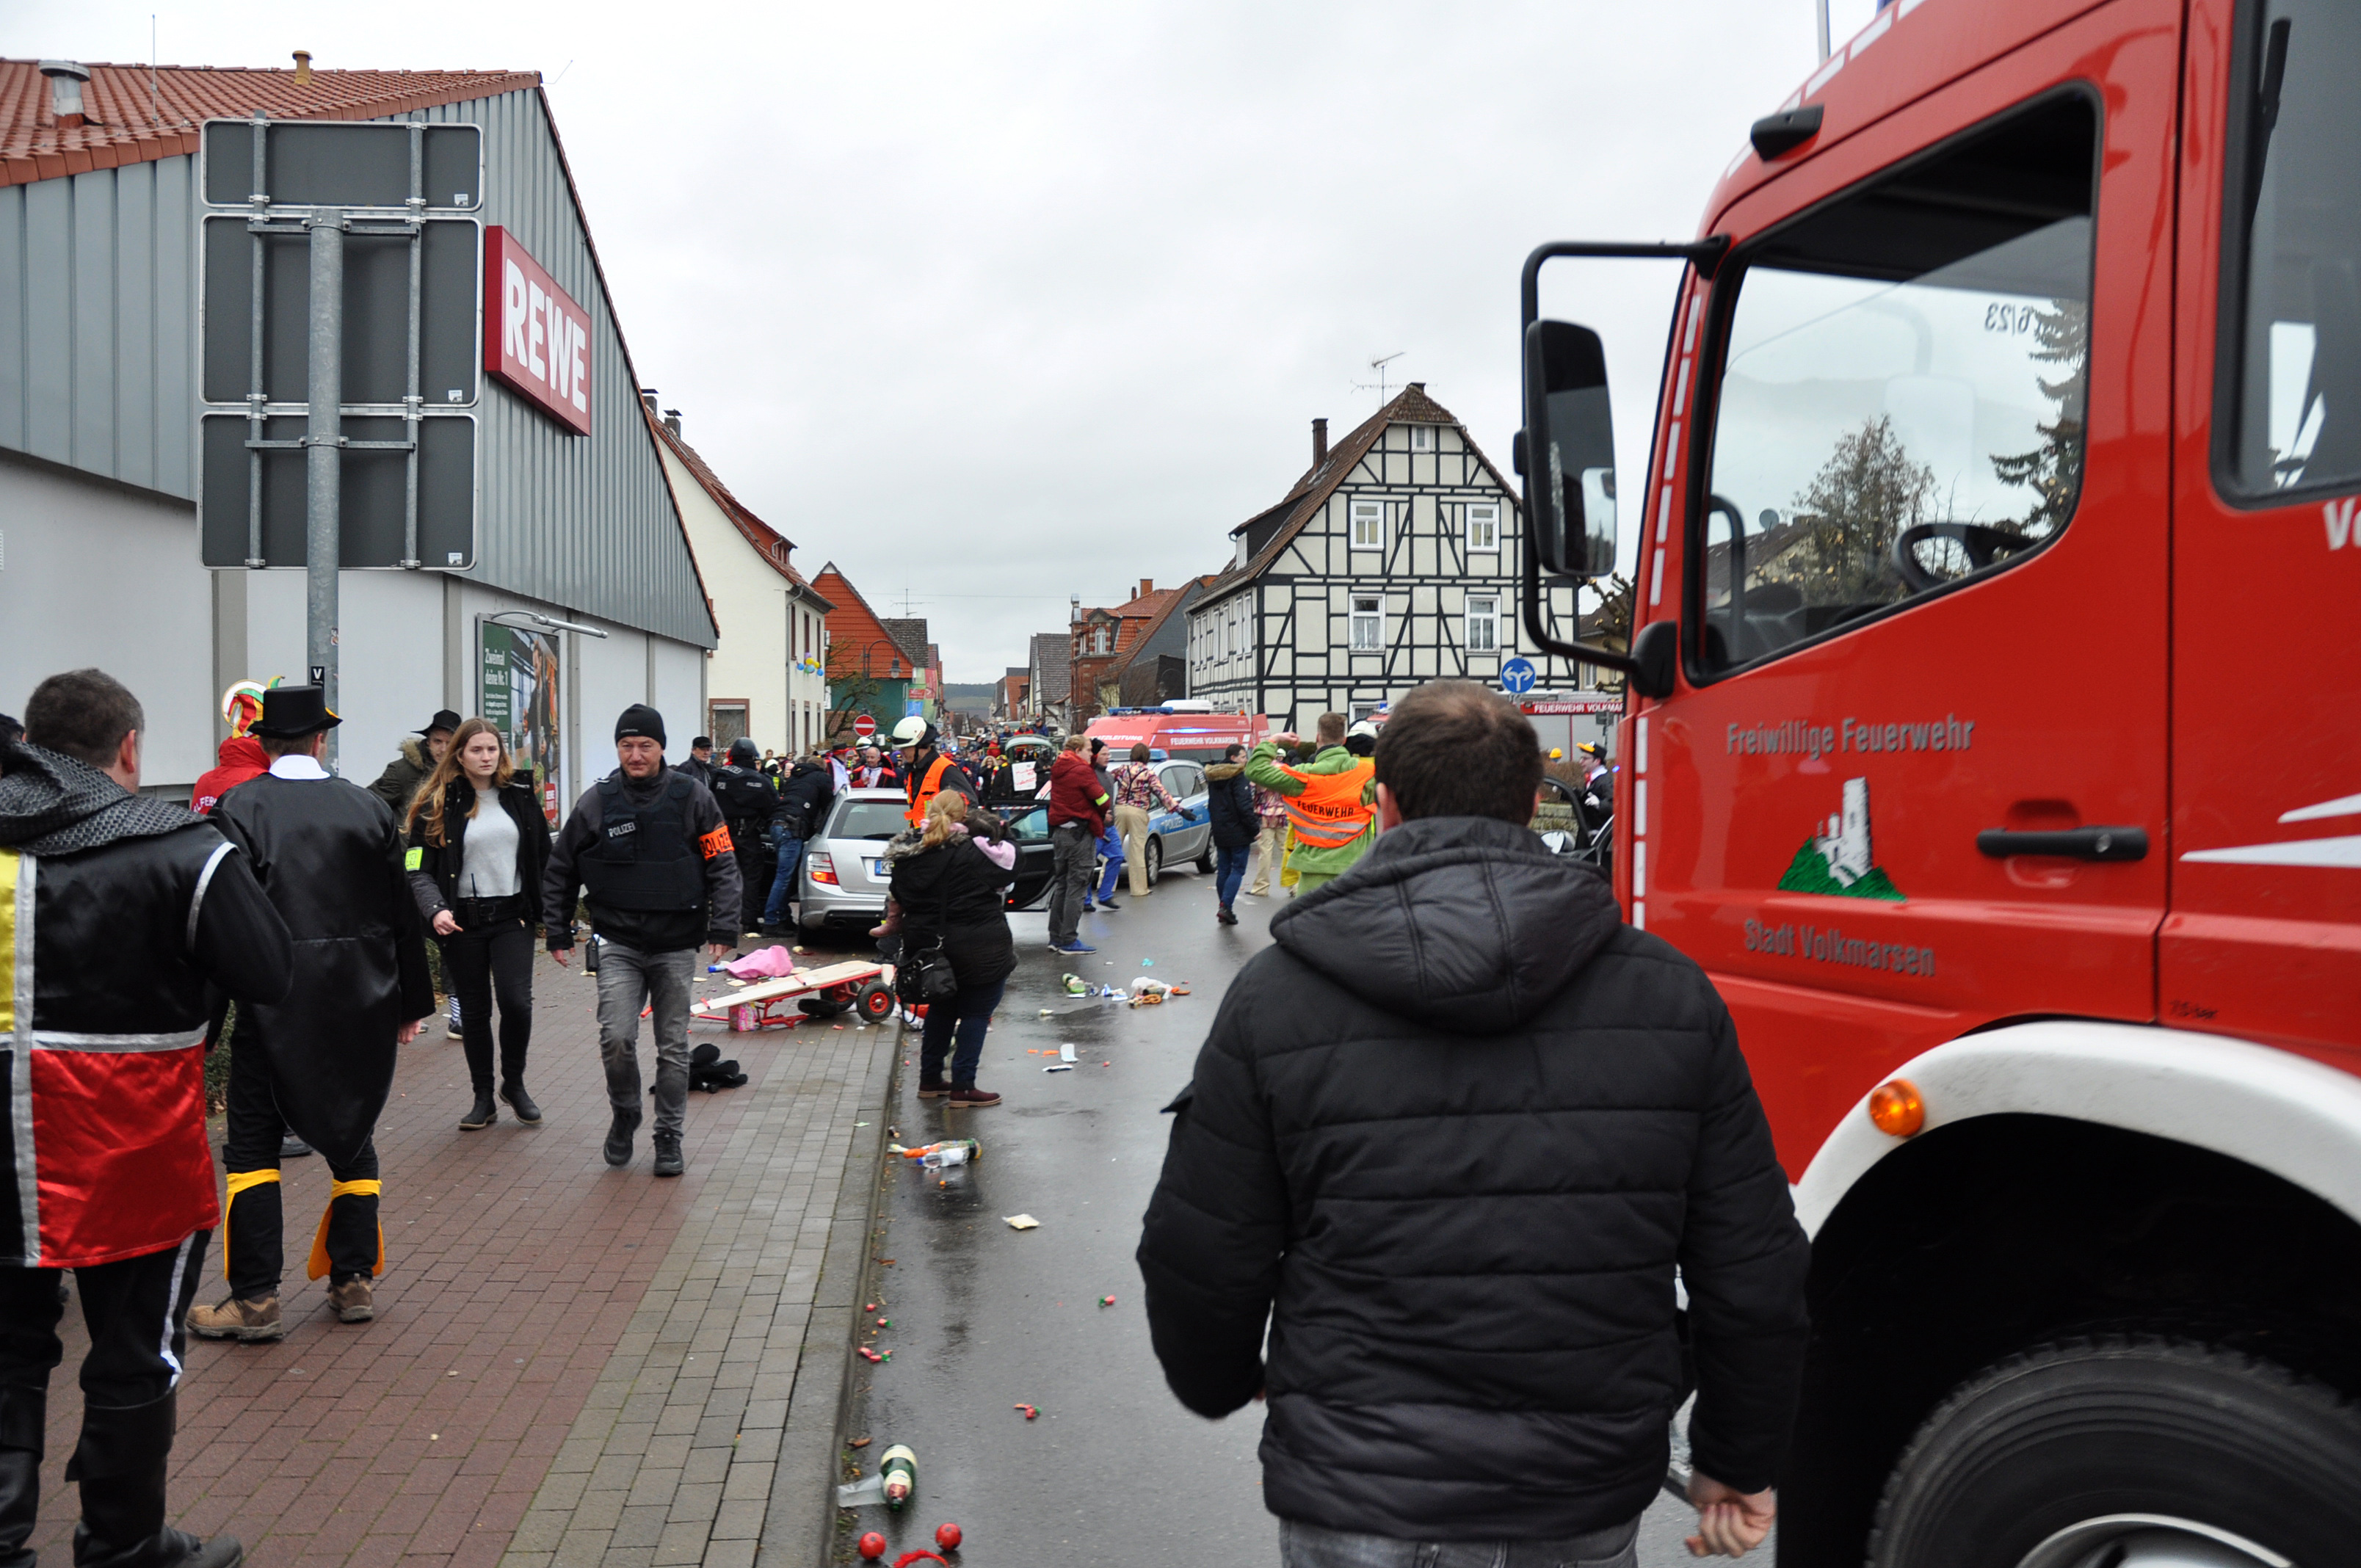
(1075, 614)
(1147, 586)
(1319, 442)
(648, 396)
(672, 421)
(66, 78)
(303, 67)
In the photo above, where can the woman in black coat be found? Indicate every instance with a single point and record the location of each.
(950, 886)
(479, 844)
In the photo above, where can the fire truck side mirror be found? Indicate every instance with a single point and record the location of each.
(1657, 653)
(1568, 451)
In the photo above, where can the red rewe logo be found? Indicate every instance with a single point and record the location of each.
(536, 339)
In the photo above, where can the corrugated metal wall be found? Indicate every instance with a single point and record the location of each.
(98, 320)
(586, 522)
(98, 323)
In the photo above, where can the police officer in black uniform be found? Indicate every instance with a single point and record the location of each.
(648, 845)
(749, 803)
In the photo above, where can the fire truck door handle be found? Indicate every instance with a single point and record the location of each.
(2072, 843)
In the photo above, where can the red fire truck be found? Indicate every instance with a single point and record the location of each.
(1995, 742)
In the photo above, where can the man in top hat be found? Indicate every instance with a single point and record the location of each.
(419, 754)
(330, 857)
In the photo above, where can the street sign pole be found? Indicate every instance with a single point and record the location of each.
(323, 455)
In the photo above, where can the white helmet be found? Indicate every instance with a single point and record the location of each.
(1363, 727)
(910, 731)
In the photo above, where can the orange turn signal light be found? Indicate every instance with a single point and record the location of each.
(1897, 1109)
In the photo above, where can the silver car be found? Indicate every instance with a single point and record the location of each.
(844, 877)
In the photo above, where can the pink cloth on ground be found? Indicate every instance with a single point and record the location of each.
(773, 963)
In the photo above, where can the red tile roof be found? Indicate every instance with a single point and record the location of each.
(768, 541)
(126, 125)
(853, 626)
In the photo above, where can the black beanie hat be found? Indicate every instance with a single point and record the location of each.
(641, 719)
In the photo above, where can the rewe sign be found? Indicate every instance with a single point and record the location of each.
(536, 338)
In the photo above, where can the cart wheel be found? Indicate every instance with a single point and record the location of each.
(875, 1002)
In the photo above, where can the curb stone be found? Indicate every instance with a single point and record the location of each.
(799, 1526)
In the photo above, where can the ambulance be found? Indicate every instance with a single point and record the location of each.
(1185, 729)
(1993, 740)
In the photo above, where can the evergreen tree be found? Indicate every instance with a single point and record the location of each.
(2053, 470)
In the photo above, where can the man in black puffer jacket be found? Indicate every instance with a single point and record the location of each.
(1452, 1135)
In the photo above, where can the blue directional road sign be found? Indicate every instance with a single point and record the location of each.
(1517, 676)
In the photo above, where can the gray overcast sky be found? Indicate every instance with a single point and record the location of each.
(997, 304)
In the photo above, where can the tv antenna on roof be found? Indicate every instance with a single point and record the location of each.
(1379, 365)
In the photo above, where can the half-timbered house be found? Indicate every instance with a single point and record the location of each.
(1393, 560)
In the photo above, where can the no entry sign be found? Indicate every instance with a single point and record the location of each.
(864, 726)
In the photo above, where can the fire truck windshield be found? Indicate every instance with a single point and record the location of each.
(2296, 387)
(1902, 392)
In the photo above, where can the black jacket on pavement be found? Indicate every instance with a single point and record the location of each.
(434, 868)
(329, 857)
(955, 892)
(713, 918)
(1451, 1135)
(1229, 796)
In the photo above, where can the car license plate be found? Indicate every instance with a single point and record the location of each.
(877, 870)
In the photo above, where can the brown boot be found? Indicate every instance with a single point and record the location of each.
(352, 1300)
(238, 1319)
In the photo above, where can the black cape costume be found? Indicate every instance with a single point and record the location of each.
(329, 856)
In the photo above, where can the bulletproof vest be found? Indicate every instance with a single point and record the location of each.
(643, 859)
(742, 793)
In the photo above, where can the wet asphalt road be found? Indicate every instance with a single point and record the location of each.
(985, 1317)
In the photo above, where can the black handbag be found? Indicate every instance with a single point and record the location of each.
(928, 976)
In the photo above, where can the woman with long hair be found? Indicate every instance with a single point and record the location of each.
(479, 844)
(951, 878)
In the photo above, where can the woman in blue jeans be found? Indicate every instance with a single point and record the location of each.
(951, 881)
(1229, 797)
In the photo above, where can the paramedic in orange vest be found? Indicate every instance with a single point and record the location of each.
(928, 773)
(1331, 810)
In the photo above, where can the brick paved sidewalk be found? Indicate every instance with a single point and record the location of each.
(569, 1364)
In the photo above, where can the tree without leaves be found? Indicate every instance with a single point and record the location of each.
(1864, 496)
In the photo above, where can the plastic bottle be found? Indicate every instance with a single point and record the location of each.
(899, 1470)
(926, 1153)
(945, 1155)
(1076, 986)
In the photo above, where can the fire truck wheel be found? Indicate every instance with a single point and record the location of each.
(2130, 1452)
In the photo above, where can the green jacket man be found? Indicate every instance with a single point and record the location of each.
(1330, 809)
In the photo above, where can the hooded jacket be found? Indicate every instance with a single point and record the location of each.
(957, 892)
(241, 757)
(403, 775)
(1450, 1135)
(1230, 800)
(118, 915)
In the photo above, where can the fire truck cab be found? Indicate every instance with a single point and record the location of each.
(1993, 741)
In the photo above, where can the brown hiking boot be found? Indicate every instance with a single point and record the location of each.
(971, 1096)
(352, 1300)
(932, 1088)
(238, 1319)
